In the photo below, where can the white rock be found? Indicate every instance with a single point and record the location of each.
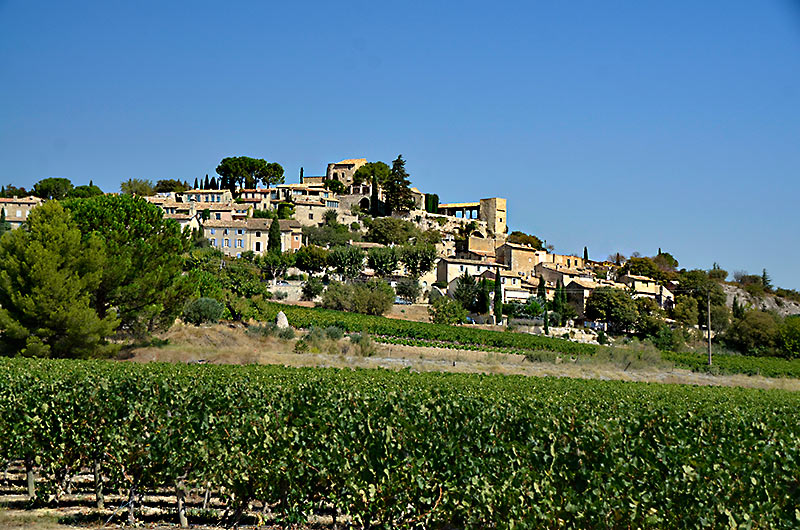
(282, 322)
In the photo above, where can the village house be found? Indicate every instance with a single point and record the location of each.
(554, 273)
(513, 288)
(644, 287)
(233, 237)
(579, 290)
(18, 208)
(206, 196)
(449, 269)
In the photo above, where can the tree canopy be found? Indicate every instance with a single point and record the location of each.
(521, 238)
(52, 188)
(613, 306)
(142, 275)
(377, 170)
(170, 185)
(397, 188)
(140, 187)
(246, 172)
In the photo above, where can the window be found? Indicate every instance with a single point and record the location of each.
(461, 268)
(213, 242)
(218, 216)
(297, 238)
(239, 231)
(311, 216)
(258, 246)
(258, 234)
(213, 231)
(225, 231)
(227, 243)
(238, 254)
(19, 213)
(239, 243)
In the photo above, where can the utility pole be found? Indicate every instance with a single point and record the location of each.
(708, 301)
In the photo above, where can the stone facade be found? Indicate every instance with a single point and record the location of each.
(344, 170)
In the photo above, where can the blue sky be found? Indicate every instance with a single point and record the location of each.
(616, 125)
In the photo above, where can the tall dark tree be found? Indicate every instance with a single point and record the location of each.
(482, 304)
(301, 174)
(206, 183)
(195, 184)
(541, 291)
(372, 170)
(498, 297)
(766, 280)
(213, 184)
(5, 226)
(274, 238)
(397, 190)
(374, 201)
(585, 254)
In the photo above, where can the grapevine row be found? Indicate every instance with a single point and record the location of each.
(400, 450)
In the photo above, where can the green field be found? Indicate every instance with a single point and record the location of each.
(396, 449)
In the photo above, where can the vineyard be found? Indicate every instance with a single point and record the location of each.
(408, 333)
(396, 449)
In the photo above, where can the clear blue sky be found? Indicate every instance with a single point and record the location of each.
(617, 125)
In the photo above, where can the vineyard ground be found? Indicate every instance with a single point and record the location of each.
(224, 344)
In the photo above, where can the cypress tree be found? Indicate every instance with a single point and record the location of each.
(498, 297)
(585, 254)
(195, 183)
(274, 238)
(374, 206)
(546, 321)
(301, 174)
(213, 184)
(541, 291)
(206, 183)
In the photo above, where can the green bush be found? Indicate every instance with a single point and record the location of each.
(312, 288)
(285, 334)
(374, 297)
(445, 310)
(202, 310)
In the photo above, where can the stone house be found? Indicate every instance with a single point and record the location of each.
(645, 287)
(344, 170)
(18, 208)
(206, 196)
(233, 237)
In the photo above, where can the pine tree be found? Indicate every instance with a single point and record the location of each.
(397, 189)
(765, 280)
(48, 278)
(274, 238)
(498, 297)
(195, 184)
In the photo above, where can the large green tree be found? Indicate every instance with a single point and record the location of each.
(52, 188)
(311, 259)
(48, 280)
(613, 306)
(347, 261)
(142, 276)
(372, 170)
(397, 188)
(383, 260)
(419, 259)
(170, 185)
(246, 172)
(84, 192)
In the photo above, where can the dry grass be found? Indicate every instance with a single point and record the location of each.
(223, 344)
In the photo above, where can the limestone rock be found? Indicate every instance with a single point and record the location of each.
(282, 322)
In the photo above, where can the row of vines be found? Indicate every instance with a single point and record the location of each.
(395, 449)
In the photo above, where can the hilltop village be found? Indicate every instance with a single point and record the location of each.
(363, 224)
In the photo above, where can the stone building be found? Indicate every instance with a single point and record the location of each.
(344, 170)
(236, 236)
(18, 208)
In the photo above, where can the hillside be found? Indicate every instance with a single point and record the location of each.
(768, 302)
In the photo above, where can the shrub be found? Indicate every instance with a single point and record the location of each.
(280, 295)
(409, 289)
(202, 310)
(286, 334)
(312, 288)
(267, 330)
(374, 297)
(445, 310)
(365, 346)
(334, 332)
